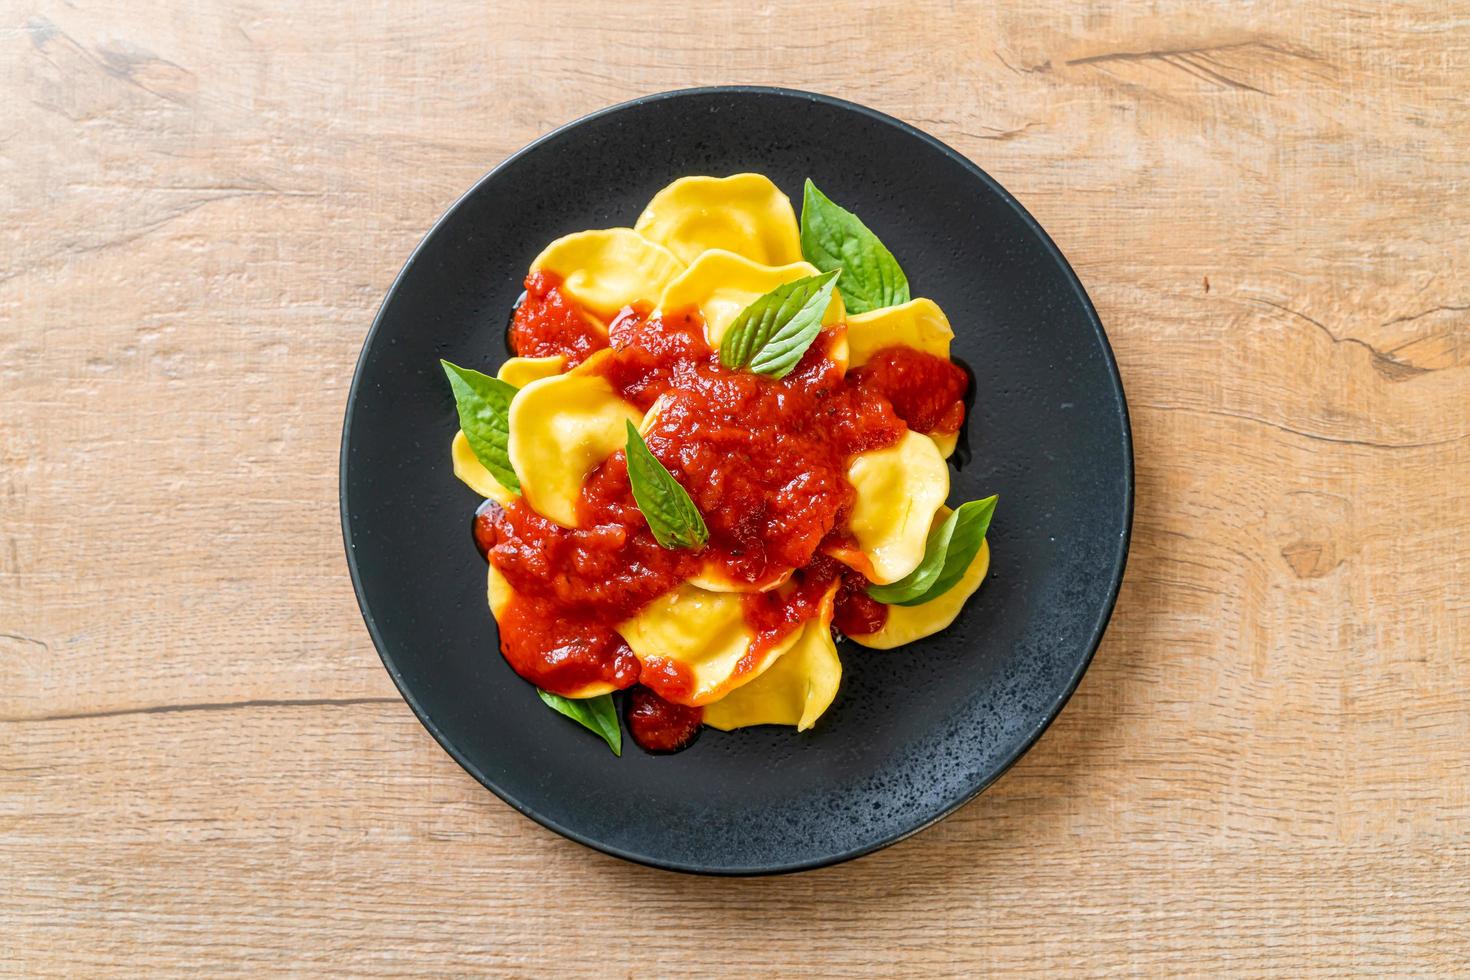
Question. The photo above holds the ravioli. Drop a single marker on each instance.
(796, 690)
(905, 624)
(899, 489)
(700, 638)
(711, 245)
(561, 428)
(472, 472)
(720, 284)
(745, 214)
(919, 324)
(521, 371)
(608, 269)
(712, 578)
(946, 441)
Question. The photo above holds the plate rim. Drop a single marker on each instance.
(1052, 711)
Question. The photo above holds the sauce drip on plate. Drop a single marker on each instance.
(658, 725)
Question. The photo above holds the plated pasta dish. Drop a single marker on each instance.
(722, 443)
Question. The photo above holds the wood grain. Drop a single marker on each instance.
(203, 767)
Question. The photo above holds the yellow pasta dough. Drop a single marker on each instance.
(905, 624)
(561, 428)
(796, 690)
(706, 635)
(744, 213)
(608, 269)
(919, 324)
(946, 442)
(712, 578)
(899, 489)
(521, 371)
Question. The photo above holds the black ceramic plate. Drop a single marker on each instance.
(914, 733)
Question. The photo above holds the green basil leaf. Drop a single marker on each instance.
(772, 333)
(917, 582)
(671, 515)
(597, 714)
(484, 415)
(947, 554)
(832, 237)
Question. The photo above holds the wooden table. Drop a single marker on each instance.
(203, 766)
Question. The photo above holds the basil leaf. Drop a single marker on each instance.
(947, 554)
(671, 515)
(917, 582)
(597, 714)
(484, 415)
(772, 333)
(832, 237)
(964, 545)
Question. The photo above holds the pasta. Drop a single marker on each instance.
(796, 690)
(790, 478)
(745, 214)
(561, 427)
(899, 489)
(606, 270)
(696, 646)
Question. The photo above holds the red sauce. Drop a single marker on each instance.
(765, 461)
(548, 323)
(669, 677)
(483, 527)
(857, 614)
(562, 651)
(661, 726)
(925, 391)
(773, 615)
(572, 585)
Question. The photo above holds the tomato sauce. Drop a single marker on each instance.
(572, 585)
(548, 323)
(772, 615)
(764, 460)
(482, 528)
(857, 614)
(925, 391)
(562, 650)
(658, 725)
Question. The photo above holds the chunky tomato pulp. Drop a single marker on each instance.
(925, 391)
(764, 460)
(548, 324)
